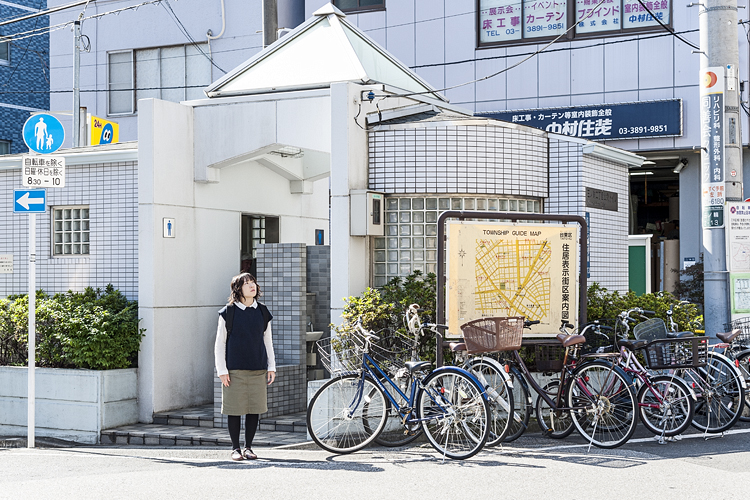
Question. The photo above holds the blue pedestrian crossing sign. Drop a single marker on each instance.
(29, 201)
(43, 133)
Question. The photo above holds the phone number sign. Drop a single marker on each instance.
(603, 121)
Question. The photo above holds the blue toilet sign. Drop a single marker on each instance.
(43, 133)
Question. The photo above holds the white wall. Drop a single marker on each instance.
(185, 280)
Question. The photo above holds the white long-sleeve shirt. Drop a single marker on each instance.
(220, 347)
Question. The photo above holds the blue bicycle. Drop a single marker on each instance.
(350, 410)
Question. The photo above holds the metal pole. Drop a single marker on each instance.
(719, 44)
(32, 330)
(77, 85)
(461, 215)
(270, 22)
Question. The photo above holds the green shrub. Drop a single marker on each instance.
(91, 329)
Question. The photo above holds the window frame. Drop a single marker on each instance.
(10, 146)
(52, 232)
(573, 35)
(132, 84)
(358, 10)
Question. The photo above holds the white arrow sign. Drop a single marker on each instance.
(26, 200)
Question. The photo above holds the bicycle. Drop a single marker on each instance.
(594, 397)
(666, 403)
(349, 411)
(718, 385)
(739, 351)
(487, 371)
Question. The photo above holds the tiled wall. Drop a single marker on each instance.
(455, 158)
(110, 191)
(570, 173)
(319, 283)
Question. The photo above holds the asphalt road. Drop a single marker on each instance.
(532, 467)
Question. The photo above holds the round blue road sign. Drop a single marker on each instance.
(43, 133)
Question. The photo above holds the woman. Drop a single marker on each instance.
(245, 362)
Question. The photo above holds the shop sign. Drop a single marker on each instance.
(603, 121)
(712, 143)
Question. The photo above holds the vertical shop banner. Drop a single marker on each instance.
(512, 270)
(712, 142)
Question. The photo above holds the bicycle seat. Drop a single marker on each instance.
(728, 337)
(569, 340)
(457, 346)
(414, 366)
(679, 335)
(633, 345)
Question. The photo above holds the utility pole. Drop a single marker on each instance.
(270, 22)
(721, 148)
(77, 84)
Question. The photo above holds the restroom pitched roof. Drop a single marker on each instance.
(323, 50)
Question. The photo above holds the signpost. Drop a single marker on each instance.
(44, 134)
(31, 201)
(712, 141)
(42, 171)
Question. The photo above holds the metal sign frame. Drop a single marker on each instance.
(514, 217)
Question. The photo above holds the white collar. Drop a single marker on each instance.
(243, 306)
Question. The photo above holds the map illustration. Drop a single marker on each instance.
(513, 277)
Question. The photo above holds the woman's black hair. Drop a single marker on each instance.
(236, 286)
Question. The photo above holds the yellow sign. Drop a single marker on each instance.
(512, 270)
(103, 131)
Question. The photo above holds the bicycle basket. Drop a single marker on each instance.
(342, 353)
(744, 325)
(665, 354)
(651, 329)
(493, 334)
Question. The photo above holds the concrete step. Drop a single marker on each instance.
(181, 435)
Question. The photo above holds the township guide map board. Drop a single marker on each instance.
(504, 269)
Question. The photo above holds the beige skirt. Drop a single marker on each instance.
(246, 393)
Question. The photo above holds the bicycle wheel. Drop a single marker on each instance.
(721, 398)
(334, 416)
(603, 406)
(455, 413)
(499, 395)
(743, 360)
(395, 433)
(666, 408)
(521, 406)
(554, 424)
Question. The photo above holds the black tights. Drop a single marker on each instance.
(251, 424)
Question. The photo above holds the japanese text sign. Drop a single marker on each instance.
(712, 142)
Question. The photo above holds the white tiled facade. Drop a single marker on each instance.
(109, 190)
(451, 157)
(571, 172)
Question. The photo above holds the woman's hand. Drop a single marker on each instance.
(224, 380)
(271, 377)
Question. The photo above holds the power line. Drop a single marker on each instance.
(44, 13)
(168, 7)
(68, 91)
(36, 21)
(658, 20)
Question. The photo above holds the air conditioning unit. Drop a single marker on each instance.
(366, 213)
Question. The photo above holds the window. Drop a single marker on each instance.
(4, 52)
(170, 73)
(359, 5)
(256, 229)
(504, 21)
(70, 231)
(410, 241)
(4, 147)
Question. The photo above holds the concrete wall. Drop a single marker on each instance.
(74, 405)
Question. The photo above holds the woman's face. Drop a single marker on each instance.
(249, 289)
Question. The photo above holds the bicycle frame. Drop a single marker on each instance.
(631, 365)
(370, 367)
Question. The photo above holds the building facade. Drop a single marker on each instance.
(24, 71)
(613, 56)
